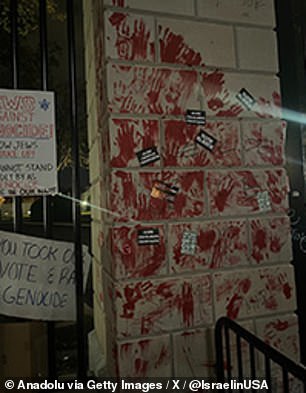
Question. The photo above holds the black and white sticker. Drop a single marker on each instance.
(246, 99)
(195, 117)
(264, 201)
(205, 140)
(189, 243)
(146, 156)
(148, 236)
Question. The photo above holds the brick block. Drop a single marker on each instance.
(220, 93)
(129, 37)
(182, 7)
(240, 192)
(149, 90)
(132, 195)
(220, 244)
(148, 357)
(131, 260)
(194, 43)
(129, 136)
(280, 333)
(270, 240)
(264, 142)
(257, 49)
(156, 306)
(258, 12)
(181, 150)
(255, 292)
(193, 353)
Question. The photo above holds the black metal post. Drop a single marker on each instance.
(17, 202)
(47, 213)
(82, 363)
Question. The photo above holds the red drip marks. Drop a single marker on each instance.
(141, 367)
(162, 357)
(117, 18)
(173, 49)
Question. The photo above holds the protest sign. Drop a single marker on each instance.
(27, 143)
(37, 277)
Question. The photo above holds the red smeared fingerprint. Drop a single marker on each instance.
(173, 49)
(259, 242)
(222, 197)
(232, 111)
(187, 304)
(125, 143)
(287, 290)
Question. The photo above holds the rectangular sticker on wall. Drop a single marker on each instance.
(148, 236)
(28, 164)
(195, 117)
(147, 156)
(205, 140)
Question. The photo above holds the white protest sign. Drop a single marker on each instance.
(28, 164)
(37, 277)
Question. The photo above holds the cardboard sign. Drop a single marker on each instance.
(162, 190)
(205, 140)
(264, 201)
(189, 243)
(195, 117)
(37, 277)
(28, 164)
(148, 236)
(147, 156)
(246, 99)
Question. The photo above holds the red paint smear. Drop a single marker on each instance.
(162, 357)
(207, 239)
(213, 82)
(234, 305)
(141, 367)
(279, 325)
(222, 197)
(287, 291)
(118, 3)
(173, 49)
(126, 139)
(187, 304)
(132, 296)
(232, 111)
(117, 18)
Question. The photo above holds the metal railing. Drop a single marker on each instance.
(240, 355)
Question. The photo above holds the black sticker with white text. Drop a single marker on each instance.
(205, 140)
(146, 156)
(246, 99)
(195, 117)
(148, 236)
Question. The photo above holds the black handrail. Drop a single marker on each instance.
(223, 326)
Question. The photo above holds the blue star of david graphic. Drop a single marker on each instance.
(44, 104)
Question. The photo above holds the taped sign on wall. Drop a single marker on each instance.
(27, 143)
(37, 277)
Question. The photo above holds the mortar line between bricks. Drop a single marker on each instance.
(198, 168)
(181, 117)
(204, 219)
(183, 67)
(208, 326)
(190, 274)
(236, 48)
(187, 17)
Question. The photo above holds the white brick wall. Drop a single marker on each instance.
(157, 59)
